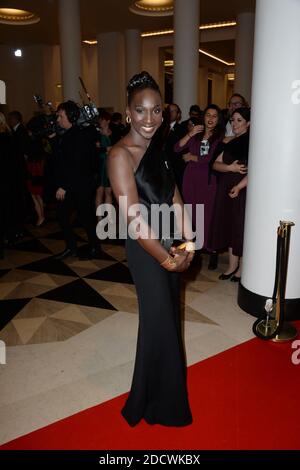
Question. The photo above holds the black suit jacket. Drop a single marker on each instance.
(75, 159)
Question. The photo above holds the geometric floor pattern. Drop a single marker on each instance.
(43, 300)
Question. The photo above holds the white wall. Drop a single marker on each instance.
(23, 77)
(38, 71)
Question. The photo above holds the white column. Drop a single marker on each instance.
(273, 192)
(244, 43)
(202, 87)
(186, 53)
(111, 71)
(133, 43)
(70, 47)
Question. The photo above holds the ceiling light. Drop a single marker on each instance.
(216, 58)
(18, 52)
(91, 42)
(152, 7)
(221, 24)
(157, 33)
(17, 17)
(170, 63)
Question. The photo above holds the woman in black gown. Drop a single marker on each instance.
(227, 228)
(138, 170)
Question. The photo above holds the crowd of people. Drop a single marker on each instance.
(67, 168)
(208, 153)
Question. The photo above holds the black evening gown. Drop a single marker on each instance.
(227, 227)
(158, 392)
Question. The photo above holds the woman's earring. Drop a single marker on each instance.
(128, 119)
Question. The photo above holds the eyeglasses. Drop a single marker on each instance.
(235, 103)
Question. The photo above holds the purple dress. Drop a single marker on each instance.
(199, 183)
(227, 228)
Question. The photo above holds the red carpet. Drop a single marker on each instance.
(244, 398)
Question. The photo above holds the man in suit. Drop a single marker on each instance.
(19, 132)
(22, 200)
(194, 112)
(75, 157)
(173, 116)
(236, 101)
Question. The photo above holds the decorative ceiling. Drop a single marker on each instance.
(13, 16)
(104, 15)
(152, 7)
(113, 15)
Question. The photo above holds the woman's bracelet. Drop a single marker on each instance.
(169, 262)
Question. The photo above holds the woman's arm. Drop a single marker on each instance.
(122, 181)
(183, 219)
(183, 143)
(183, 222)
(234, 167)
(234, 192)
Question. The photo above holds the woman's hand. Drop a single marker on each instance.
(196, 130)
(60, 194)
(179, 262)
(234, 192)
(237, 167)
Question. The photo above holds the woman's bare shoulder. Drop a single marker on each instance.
(120, 154)
(119, 150)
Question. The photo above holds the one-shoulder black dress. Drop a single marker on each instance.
(158, 392)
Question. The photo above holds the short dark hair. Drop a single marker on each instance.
(140, 81)
(17, 115)
(71, 109)
(103, 114)
(195, 109)
(245, 103)
(116, 117)
(244, 112)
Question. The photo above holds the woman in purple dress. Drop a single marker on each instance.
(199, 183)
(229, 212)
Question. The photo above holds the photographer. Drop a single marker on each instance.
(74, 154)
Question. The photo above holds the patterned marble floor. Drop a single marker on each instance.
(70, 327)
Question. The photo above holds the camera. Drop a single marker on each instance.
(48, 120)
(88, 113)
